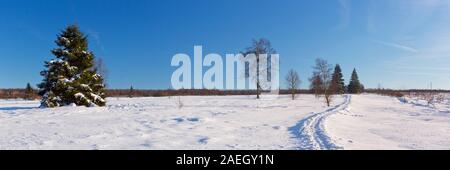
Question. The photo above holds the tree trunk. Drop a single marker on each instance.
(257, 90)
(327, 98)
(257, 77)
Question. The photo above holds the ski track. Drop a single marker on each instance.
(311, 131)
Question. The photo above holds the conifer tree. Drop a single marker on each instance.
(354, 87)
(338, 80)
(29, 92)
(131, 92)
(71, 77)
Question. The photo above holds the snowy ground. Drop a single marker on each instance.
(227, 122)
(380, 122)
(231, 122)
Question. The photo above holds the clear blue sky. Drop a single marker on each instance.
(398, 43)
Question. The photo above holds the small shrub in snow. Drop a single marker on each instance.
(431, 98)
(179, 103)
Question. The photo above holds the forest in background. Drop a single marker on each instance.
(21, 93)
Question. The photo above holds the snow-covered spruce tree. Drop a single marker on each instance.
(338, 80)
(71, 77)
(354, 87)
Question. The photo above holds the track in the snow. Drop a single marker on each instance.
(310, 132)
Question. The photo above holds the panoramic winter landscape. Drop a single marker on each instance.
(225, 75)
(363, 121)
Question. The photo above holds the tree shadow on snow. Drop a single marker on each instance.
(16, 108)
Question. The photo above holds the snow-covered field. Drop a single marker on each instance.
(227, 122)
(380, 122)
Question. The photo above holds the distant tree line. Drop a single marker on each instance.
(386, 92)
(132, 92)
(401, 93)
(28, 93)
(21, 93)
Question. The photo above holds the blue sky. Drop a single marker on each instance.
(395, 43)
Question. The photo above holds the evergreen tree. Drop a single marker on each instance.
(29, 92)
(131, 92)
(338, 80)
(354, 87)
(71, 77)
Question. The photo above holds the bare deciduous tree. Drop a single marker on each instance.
(293, 81)
(259, 47)
(321, 80)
